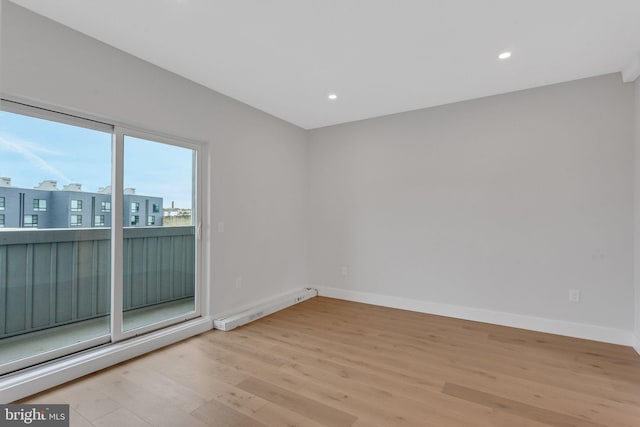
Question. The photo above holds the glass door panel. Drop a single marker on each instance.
(159, 236)
(55, 243)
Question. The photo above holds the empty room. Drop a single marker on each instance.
(320, 213)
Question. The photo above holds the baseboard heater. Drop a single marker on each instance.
(261, 310)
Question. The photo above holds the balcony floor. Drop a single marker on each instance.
(26, 345)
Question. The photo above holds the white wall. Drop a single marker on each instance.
(501, 203)
(258, 162)
(637, 215)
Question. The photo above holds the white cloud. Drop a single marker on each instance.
(28, 151)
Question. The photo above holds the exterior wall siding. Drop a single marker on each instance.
(58, 214)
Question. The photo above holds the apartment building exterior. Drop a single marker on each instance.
(47, 206)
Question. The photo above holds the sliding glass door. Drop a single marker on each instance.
(159, 233)
(54, 260)
(99, 235)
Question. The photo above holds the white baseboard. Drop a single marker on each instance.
(255, 303)
(635, 342)
(559, 327)
(262, 308)
(39, 378)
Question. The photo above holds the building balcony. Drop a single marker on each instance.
(55, 284)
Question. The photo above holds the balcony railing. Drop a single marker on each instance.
(59, 276)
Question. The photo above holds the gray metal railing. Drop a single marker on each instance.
(59, 276)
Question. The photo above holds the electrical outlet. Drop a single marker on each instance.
(574, 295)
(238, 282)
(345, 271)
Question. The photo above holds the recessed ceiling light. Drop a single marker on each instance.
(504, 55)
(333, 96)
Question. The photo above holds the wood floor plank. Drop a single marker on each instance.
(77, 420)
(181, 396)
(431, 361)
(385, 331)
(328, 362)
(276, 415)
(517, 408)
(312, 409)
(193, 367)
(444, 339)
(120, 417)
(216, 414)
(150, 406)
(89, 401)
(546, 396)
(320, 390)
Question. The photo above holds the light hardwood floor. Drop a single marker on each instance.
(327, 362)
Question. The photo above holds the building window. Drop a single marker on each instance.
(1, 203)
(1, 220)
(30, 221)
(156, 208)
(106, 206)
(76, 205)
(151, 220)
(39, 205)
(76, 221)
(135, 220)
(135, 207)
(99, 220)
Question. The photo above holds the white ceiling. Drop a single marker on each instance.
(380, 56)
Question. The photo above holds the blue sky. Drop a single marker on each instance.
(33, 150)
